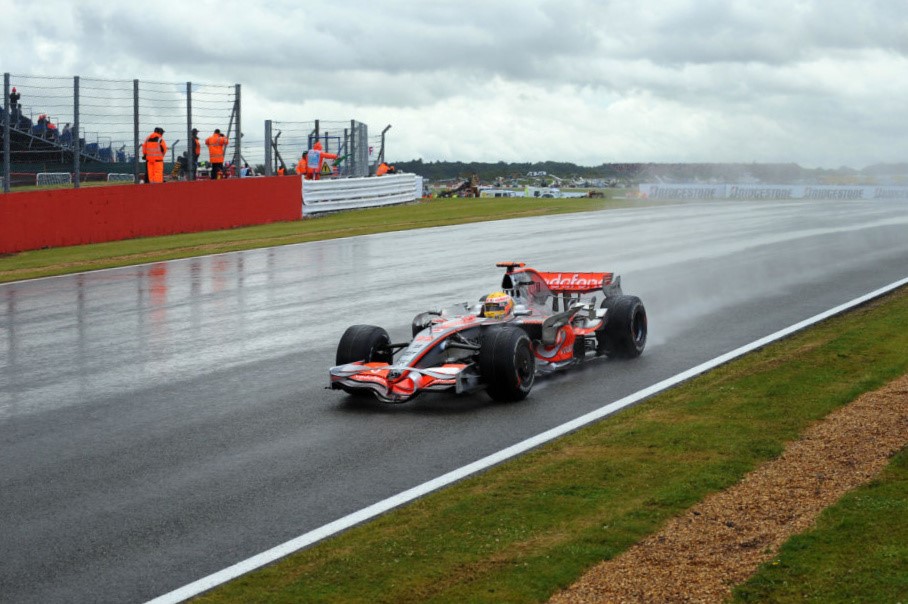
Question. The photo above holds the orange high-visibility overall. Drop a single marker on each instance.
(217, 144)
(154, 149)
(314, 160)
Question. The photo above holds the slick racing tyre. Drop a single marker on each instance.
(507, 364)
(366, 343)
(625, 329)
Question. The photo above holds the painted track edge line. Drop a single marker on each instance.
(211, 581)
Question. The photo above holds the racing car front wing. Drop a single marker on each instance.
(393, 384)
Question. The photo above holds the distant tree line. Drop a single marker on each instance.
(633, 173)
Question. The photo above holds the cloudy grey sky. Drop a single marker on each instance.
(818, 82)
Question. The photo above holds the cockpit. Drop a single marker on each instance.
(529, 291)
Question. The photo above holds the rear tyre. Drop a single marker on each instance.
(366, 343)
(507, 364)
(625, 330)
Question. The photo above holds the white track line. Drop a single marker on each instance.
(332, 528)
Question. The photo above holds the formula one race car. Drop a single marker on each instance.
(536, 324)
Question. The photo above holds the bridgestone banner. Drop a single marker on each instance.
(757, 192)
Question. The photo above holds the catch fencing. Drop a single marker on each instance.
(348, 140)
(63, 131)
(92, 127)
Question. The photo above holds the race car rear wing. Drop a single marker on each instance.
(564, 284)
(579, 283)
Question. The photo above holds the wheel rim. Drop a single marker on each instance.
(639, 327)
(525, 369)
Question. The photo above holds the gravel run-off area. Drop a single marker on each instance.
(719, 543)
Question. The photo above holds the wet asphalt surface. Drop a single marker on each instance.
(162, 422)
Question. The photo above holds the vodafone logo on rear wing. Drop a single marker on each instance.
(576, 282)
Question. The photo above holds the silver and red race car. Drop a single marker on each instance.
(539, 322)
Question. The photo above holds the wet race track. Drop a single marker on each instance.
(162, 422)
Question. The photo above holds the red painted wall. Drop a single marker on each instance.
(62, 217)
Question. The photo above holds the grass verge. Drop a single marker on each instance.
(429, 213)
(531, 526)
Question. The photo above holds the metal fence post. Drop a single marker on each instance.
(351, 150)
(6, 133)
(268, 169)
(135, 125)
(190, 144)
(237, 162)
(77, 149)
(381, 154)
(364, 150)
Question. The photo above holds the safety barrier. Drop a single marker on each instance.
(62, 217)
(53, 178)
(351, 193)
(55, 218)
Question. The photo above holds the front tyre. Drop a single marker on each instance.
(365, 343)
(507, 364)
(625, 330)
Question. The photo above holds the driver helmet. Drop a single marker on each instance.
(497, 305)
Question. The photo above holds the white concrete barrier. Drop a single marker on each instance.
(352, 193)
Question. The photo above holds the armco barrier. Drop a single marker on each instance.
(350, 193)
(40, 219)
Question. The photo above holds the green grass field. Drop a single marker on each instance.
(528, 527)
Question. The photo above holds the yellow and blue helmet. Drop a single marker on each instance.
(497, 305)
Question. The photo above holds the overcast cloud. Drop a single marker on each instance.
(818, 82)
